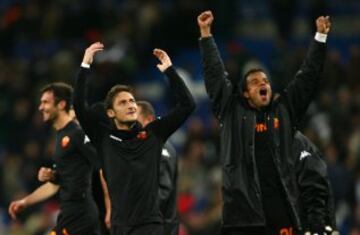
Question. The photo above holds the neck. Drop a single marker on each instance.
(124, 125)
(61, 121)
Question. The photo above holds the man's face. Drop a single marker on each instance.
(143, 119)
(47, 107)
(124, 108)
(258, 92)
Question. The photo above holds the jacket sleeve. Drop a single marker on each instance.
(87, 150)
(185, 105)
(313, 184)
(167, 177)
(302, 89)
(88, 118)
(217, 83)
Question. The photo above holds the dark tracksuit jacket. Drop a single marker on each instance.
(167, 190)
(131, 158)
(317, 202)
(242, 196)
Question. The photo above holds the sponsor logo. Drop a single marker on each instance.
(304, 154)
(115, 138)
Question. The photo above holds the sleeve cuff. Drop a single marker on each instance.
(85, 65)
(170, 71)
(320, 37)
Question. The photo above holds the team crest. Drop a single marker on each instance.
(276, 123)
(65, 141)
(142, 135)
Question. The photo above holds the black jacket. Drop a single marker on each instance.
(131, 158)
(242, 204)
(167, 188)
(317, 202)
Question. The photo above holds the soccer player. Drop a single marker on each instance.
(168, 174)
(74, 161)
(257, 130)
(131, 154)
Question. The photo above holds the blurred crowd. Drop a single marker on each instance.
(43, 41)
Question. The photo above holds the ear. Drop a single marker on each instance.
(150, 118)
(110, 113)
(61, 105)
(246, 94)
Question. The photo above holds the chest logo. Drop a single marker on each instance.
(142, 135)
(276, 123)
(304, 154)
(261, 127)
(65, 141)
(165, 153)
(86, 139)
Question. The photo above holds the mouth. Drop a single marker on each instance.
(263, 92)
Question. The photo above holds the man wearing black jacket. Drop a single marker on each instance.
(257, 128)
(168, 174)
(314, 184)
(131, 154)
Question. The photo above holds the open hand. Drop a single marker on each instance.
(91, 51)
(165, 61)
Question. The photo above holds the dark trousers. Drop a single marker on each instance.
(258, 231)
(145, 229)
(171, 228)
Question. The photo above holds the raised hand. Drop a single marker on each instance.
(205, 20)
(164, 59)
(45, 174)
(91, 51)
(16, 207)
(323, 24)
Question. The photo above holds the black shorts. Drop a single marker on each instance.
(171, 228)
(78, 220)
(145, 229)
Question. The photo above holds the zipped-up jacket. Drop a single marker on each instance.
(242, 205)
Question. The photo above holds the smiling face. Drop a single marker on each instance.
(48, 107)
(258, 90)
(124, 108)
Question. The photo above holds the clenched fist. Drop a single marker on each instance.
(205, 20)
(323, 24)
(46, 174)
(16, 207)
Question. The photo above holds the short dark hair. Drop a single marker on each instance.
(109, 100)
(146, 108)
(247, 74)
(61, 91)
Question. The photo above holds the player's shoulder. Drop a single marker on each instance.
(75, 130)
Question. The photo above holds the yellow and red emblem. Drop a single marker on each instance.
(65, 141)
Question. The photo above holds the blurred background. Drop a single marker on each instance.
(43, 41)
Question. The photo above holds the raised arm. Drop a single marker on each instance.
(302, 89)
(185, 104)
(42, 193)
(217, 83)
(87, 117)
